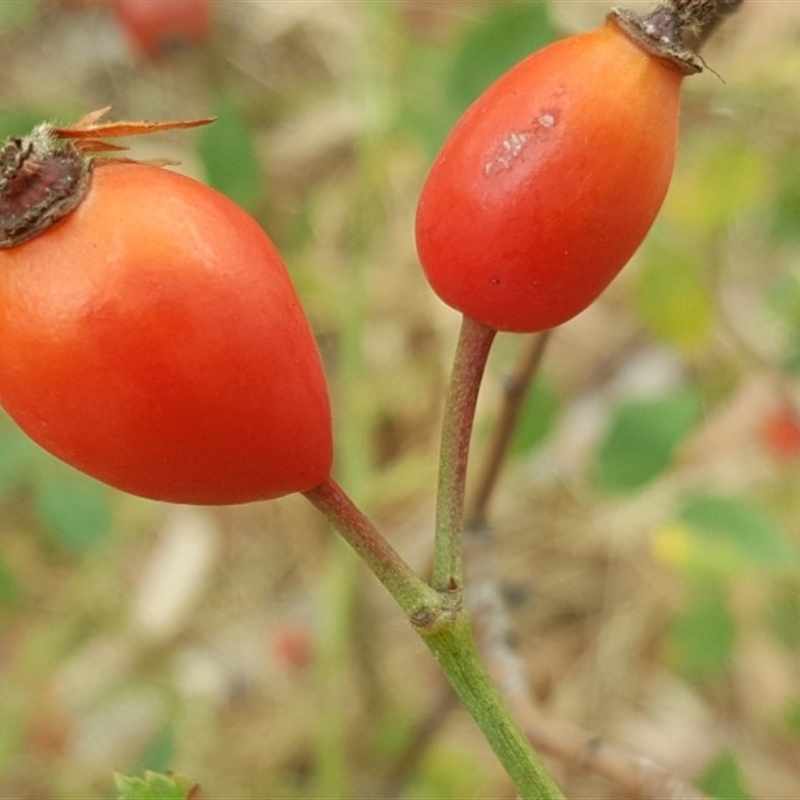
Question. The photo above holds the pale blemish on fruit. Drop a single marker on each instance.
(508, 152)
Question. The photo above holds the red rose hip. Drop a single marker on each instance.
(550, 180)
(153, 339)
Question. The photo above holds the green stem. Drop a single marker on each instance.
(444, 626)
(436, 612)
(472, 350)
(453, 645)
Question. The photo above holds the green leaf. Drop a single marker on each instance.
(18, 456)
(446, 773)
(19, 121)
(155, 786)
(641, 440)
(723, 780)
(732, 534)
(9, 587)
(791, 717)
(423, 109)
(159, 752)
(672, 298)
(783, 297)
(229, 155)
(701, 639)
(76, 508)
(15, 15)
(538, 416)
(786, 202)
(791, 358)
(783, 614)
(499, 39)
(727, 179)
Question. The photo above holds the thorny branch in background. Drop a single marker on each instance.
(515, 391)
(637, 776)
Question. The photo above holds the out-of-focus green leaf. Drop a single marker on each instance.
(723, 780)
(727, 178)
(642, 438)
(701, 639)
(229, 155)
(159, 752)
(14, 13)
(538, 416)
(446, 773)
(423, 110)
(155, 786)
(9, 587)
(791, 358)
(392, 735)
(786, 198)
(783, 297)
(499, 39)
(18, 455)
(671, 297)
(439, 84)
(76, 508)
(791, 717)
(783, 618)
(731, 534)
(18, 121)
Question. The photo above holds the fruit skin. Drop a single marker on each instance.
(153, 339)
(152, 25)
(549, 181)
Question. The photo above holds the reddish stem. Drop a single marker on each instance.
(421, 603)
(472, 350)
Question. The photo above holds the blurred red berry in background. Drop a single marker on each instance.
(780, 433)
(153, 26)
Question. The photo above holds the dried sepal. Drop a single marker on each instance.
(88, 132)
(98, 146)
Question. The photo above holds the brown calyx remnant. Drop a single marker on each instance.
(41, 180)
(47, 173)
(675, 29)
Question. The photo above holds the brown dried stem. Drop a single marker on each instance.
(515, 392)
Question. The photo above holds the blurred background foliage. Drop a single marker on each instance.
(646, 530)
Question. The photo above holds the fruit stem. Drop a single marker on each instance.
(453, 644)
(418, 600)
(444, 626)
(472, 350)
